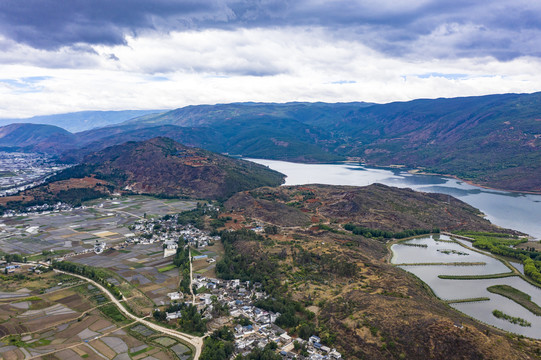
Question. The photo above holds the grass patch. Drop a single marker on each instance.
(513, 320)
(137, 265)
(142, 351)
(39, 305)
(517, 296)
(31, 298)
(48, 254)
(480, 263)
(112, 312)
(165, 341)
(166, 268)
(467, 300)
(41, 342)
(196, 252)
(476, 277)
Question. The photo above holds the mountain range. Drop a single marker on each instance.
(491, 140)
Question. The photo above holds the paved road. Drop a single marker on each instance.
(195, 341)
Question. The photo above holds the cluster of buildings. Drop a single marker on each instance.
(39, 209)
(239, 297)
(99, 247)
(197, 238)
(169, 232)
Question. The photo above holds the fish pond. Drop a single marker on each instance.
(433, 257)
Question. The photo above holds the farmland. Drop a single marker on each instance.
(67, 318)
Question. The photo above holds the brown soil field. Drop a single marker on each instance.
(86, 182)
(102, 348)
(6, 199)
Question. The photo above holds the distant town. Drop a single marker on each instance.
(21, 171)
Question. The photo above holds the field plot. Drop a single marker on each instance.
(174, 347)
(139, 265)
(24, 284)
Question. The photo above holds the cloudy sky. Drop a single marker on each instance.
(60, 56)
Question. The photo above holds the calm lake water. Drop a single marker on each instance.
(510, 210)
(446, 289)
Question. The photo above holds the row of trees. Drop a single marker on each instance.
(531, 269)
(385, 234)
(182, 261)
(9, 258)
(96, 274)
(505, 246)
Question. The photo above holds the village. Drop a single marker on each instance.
(259, 328)
(238, 297)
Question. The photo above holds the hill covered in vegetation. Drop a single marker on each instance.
(376, 206)
(162, 166)
(492, 140)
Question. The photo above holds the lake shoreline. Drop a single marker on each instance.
(413, 171)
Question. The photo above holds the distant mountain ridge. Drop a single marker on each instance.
(492, 140)
(36, 138)
(83, 120)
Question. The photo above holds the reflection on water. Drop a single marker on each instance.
(511, 210)
(448, 289)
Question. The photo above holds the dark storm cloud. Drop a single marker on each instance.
(434, 28)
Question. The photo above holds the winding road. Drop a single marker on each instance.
(195, 341)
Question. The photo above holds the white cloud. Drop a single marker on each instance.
(219, 66)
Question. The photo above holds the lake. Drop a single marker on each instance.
(437, 251)
(506, 209)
